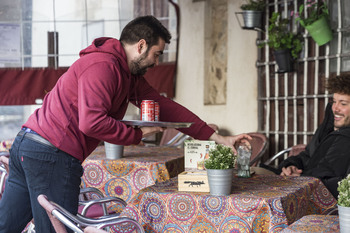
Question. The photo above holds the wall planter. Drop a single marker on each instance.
(284, 60)
(320, 31)
(285, 44)
(316, 21)
(251, 19)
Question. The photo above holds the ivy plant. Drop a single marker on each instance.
(280, 37)
(254, 5)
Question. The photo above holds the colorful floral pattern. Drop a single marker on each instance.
(269, 206)
(315, 223)
(139, 168)
(6, 145)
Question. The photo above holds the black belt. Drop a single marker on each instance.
(36, 137)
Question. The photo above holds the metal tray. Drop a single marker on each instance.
(157, 124)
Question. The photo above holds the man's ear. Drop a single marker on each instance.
(141, 46)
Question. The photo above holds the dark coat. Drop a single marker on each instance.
(327, 156)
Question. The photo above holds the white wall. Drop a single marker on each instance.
(240, 112)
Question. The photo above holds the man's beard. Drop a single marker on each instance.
(137, 69)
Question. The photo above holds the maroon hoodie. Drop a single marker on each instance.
(88, 101)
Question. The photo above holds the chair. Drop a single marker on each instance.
(172, 137)
(60, 218)
(4, 169)
(290, 151)
(175, 138)
(92, 203)
(259, 146)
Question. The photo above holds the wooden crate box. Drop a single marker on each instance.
(196, 181)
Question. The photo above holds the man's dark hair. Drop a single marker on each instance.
(145, 27)
(339, 84)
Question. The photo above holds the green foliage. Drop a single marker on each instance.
(344, 192)
(221, 157)
(254, 5)
(280, 37)
(315, 11)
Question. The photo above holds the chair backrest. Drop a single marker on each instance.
(170, 136)
(57, 219)
(60, 218)
(259, 146)
(173, 137)
(4, 169)
(296, 149)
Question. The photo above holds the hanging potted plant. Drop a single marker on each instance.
(286, 44)
(219, 168)
(252, 14)
(344, 204)
(314, 17)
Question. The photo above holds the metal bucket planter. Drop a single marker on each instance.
(251, 19)
(344, 218)
(320, 31)
(220, 181)
(284, 61)
(113, 151)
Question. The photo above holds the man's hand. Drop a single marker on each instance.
(149, 131)
(230, 140)
(291, 171)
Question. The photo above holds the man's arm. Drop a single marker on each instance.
(230, 141)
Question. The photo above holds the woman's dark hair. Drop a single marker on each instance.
(339, 84)
(145, 27)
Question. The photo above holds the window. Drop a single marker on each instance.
(50, 33)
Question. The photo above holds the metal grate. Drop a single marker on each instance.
(291, 105)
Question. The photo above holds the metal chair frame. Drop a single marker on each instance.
(60, 217)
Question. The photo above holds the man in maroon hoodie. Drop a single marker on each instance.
(84, 108)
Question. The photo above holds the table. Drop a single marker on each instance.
(140, 167)
(262, 203)
(315, 223)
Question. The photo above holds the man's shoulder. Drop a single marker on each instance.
(345, 131)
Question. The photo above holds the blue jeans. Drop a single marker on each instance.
(38, 169)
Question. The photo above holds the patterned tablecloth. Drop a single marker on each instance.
(316, 224)
(6, 144)
(262, 203)
(140, 167)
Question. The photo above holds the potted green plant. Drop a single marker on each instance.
(314, 17)
(344, 204)
(285, 43)
(219, 168)
(252, 13)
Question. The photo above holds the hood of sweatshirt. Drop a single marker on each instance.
(111, 46)
(114, 47)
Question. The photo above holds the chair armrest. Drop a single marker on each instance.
(4, 160)
(90, 193)
(73, 221)
(276, 156)
(90, 203)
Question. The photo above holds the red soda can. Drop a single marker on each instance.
(147, 110)
(156, 111)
